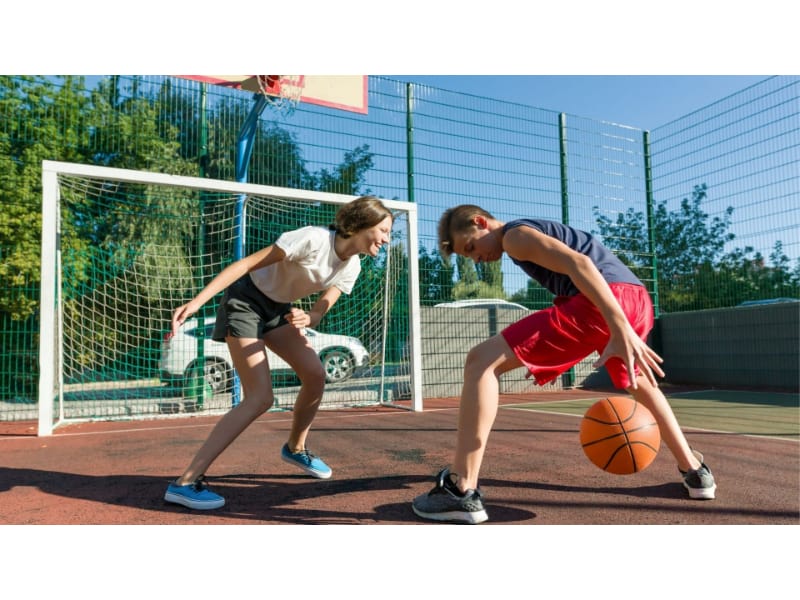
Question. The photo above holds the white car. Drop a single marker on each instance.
(480, 303)
(341, 356)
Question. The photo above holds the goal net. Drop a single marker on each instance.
(121, 249)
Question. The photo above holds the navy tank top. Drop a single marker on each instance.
(611, 268)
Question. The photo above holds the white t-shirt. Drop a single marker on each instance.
(310, 266)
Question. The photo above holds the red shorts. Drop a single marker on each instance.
(550, 341)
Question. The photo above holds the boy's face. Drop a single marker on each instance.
(478, 243)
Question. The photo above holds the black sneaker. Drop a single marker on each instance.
(446, 503)
(699, 482)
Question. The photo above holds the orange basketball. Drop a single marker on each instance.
(619, 435)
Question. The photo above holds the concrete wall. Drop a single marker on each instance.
(750, 346)
(449, 333)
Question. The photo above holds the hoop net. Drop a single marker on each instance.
(283, 91)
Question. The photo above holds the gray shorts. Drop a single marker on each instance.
(245, 312)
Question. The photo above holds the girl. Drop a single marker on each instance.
(256, 311)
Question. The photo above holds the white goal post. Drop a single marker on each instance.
(121, 249)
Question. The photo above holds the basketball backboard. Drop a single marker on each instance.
(343, 92)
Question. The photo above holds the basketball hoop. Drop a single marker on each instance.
(339, 92)
(283, 91)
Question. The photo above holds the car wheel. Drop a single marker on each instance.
(338, 365)
(216, 373)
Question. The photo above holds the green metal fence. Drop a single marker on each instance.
(730, 173)
(704, 208)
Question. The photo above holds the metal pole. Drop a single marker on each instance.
(651, 230)
(244, 150)
(195, 388)
(562, 143)
(568, 379)
(410, 140)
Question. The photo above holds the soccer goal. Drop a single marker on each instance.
(121, 249)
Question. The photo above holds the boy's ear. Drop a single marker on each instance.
(480, 221)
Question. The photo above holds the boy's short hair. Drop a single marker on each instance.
(457, 219)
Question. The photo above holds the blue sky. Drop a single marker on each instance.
(643, 101)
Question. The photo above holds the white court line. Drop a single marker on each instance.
(192, 426)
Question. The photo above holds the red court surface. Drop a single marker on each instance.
(534, 472)
(114, 474)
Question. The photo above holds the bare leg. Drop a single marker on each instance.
(654, 400)
(478, 408)
(251, 364)
(293, 347)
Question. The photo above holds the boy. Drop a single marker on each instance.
(599, 305)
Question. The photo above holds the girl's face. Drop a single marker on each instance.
(370, 240)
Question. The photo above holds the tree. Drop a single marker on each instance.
(47, 125)
(534, 296)
(435, 278)
(484, 280)
(47, 122)
(348, 176)
(694, 272)
(140, 126)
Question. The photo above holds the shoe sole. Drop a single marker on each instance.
(183, 501)
(310, 471)
(701, 493)
(471, 518)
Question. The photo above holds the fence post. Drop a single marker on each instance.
(568, 379)
(651, 231)
(410, 140)
(562, 141)
(194, 386)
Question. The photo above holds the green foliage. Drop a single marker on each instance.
(694, 271)
(123, 238)
(347, 177)
(534, 296)
(435, 278)
(484, 280)
(47, 125)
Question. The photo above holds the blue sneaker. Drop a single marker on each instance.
(194, 495)
(310, 463)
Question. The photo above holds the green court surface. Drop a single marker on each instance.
(771, 414)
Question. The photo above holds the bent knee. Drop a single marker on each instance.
(312, 377)
(493, 356)
(257, 402)
(478, 362)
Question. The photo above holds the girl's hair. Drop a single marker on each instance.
(457, 220)
(362, 213)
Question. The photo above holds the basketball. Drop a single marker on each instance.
(619, 435)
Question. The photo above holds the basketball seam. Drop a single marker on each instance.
(627, 439)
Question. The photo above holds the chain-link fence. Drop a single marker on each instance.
(705, 208)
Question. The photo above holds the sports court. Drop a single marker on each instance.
(109, 466)
(534, 472)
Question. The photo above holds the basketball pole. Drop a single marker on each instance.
(244, 150)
